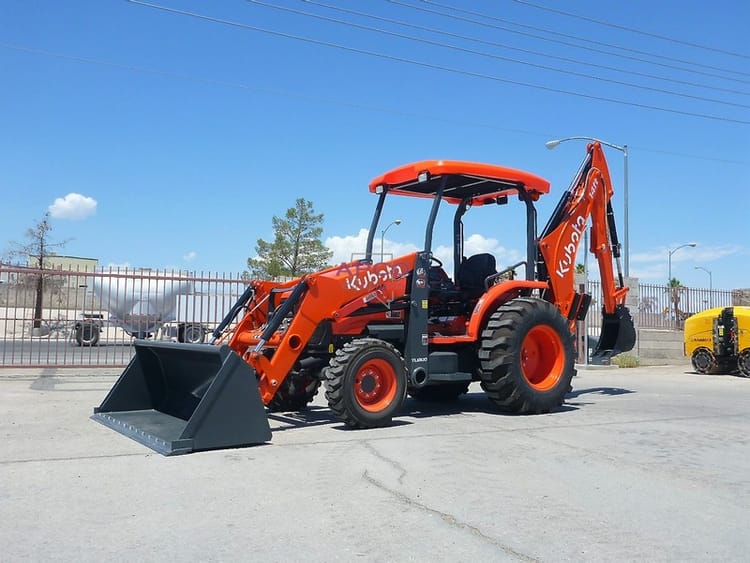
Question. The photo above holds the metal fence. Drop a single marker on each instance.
(661, 307)
(82, 318)
(54, 318)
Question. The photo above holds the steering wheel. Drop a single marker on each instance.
(436, 260)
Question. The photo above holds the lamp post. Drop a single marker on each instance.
(382, 237)
(669, 275)
(710, 285)
(624, 150)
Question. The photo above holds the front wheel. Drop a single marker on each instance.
(527, 356)
(703, 361)
(366, 383)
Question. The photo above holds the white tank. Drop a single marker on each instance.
(140, 304)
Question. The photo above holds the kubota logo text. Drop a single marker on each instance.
(564, 263)
(365, 277)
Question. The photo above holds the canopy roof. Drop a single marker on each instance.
(483, 183)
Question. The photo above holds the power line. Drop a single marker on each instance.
(529, 51)
(431, 65)
(632, 30)
(567, 44)
(493, 56)
(490, 55)
(318, 100)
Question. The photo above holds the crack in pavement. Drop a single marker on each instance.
(448, 519)
(71, 458)
(393, 463)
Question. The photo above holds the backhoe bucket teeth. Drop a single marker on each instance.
(617, 335)
(179, 398)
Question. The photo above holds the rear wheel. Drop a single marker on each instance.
(527, 356)
(295, 393)
(743, 363)
(366, 383)
(440, 393)
(87, 334)
(703, 361)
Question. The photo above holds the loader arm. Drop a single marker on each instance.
(589, 198)
(329, 295)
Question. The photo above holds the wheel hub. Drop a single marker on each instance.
(368, 384)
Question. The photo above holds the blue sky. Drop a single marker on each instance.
(158, 139)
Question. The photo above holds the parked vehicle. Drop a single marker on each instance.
(143, 307)
(718, 340)
(373, 332)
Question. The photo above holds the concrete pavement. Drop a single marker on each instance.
(641, 464)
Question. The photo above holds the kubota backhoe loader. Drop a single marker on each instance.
(373, 332)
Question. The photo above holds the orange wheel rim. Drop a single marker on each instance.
(375, 385)
(542, 357)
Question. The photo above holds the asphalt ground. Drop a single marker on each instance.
(643, 464)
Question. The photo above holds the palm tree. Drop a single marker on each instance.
(675, 287)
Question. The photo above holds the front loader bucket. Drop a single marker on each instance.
(617, 335)
(179, 398)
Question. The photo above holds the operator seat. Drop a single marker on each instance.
(473, 271)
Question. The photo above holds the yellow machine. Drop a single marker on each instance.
(718, 340)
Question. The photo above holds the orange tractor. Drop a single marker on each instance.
(373, 332)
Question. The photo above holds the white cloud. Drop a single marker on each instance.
(346, 247)
(654, 265)
(190, 256)
(73, 206)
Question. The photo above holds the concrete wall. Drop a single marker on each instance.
(660, 347)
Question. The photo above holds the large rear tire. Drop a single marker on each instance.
(296, 392)
(366, 383)
(527, 356)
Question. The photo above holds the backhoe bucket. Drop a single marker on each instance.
(617, 335)
(179, 398)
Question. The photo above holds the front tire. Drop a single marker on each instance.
(703, 361)
(527, 356)
(366, 383)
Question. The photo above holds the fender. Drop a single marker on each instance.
(493, 298)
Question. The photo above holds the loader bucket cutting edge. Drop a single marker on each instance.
(617, 335)
(178, 398)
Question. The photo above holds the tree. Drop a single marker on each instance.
(580, 268)
(37, 251)
(675, 288)
(296, 248)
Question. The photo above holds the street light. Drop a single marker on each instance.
(710, 285)
(382, 237)
(690, 244)
(624, 150)
(669, 277)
